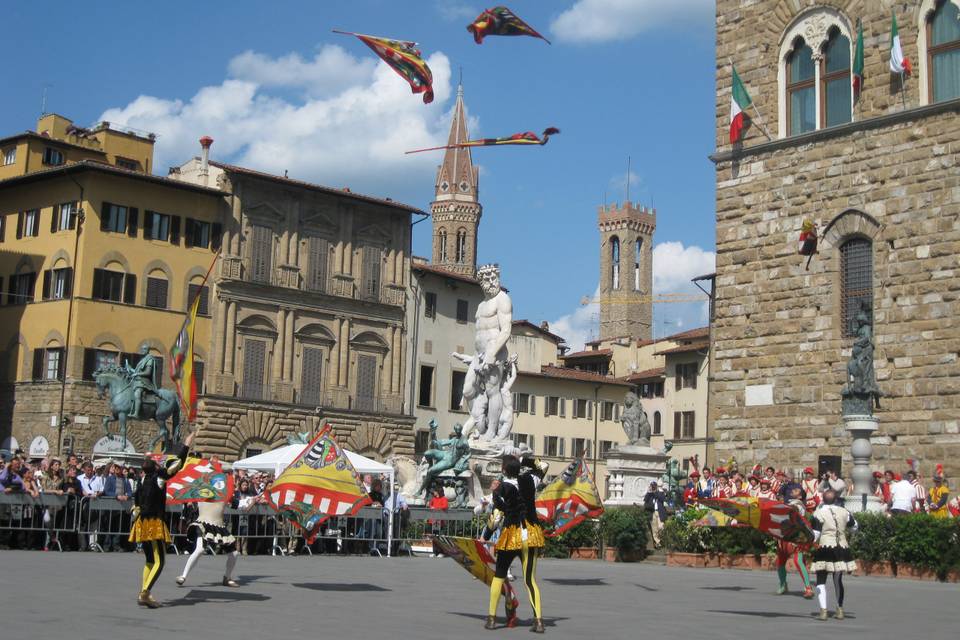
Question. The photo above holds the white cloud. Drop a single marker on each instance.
(674, 266)
(350, 128)
(607, 20)
(455, 11)
(581, 325)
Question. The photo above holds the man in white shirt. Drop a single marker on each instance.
(92, 486)
(902, 495)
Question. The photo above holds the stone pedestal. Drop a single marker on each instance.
(861, 427)
(630, 470)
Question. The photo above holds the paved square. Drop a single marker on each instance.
(92, 596)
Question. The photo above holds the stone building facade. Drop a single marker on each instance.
(879, 176)
(626, 270)
(308, 316)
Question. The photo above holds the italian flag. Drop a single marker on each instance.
(739, 102)
(858, 63)
(898, 62)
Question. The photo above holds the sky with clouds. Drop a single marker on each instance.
(278, 91)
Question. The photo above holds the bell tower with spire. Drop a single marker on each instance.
(456, 205)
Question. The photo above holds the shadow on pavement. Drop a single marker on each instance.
(522, 622)
(200, 596)
(762, 614)
(737, 588)
(645, 588)
(339, 586)
(577, 582)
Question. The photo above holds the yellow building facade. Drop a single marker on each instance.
(96, 262)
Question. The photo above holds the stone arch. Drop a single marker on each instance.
(255, 425)
(926, 8)
(813, 25)
(316, 332)
(849, 223)
(53, 336)
(152, 266)
(107, 336)
(114, 256)
(61, 254)
(369, 340)
(26, 264)
(257, 324)
(153, 344)
(370, 440)
(193, 272)
(8, 359)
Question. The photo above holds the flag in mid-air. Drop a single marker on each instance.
(404, 58)
(739, 102)
(500, 21)
(181, 354)
(200, 481)
(526, 138)
(899, 63)
(570, 499)
(318, 484)
(772, 517)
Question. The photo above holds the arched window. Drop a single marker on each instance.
(943, 52)
(856, 285)
(638, 247)
(801, 89)
(656, 423)
(835, 82)
(442, 245)
(461, 246)
(615, 261)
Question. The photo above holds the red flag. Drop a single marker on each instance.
(404, 58)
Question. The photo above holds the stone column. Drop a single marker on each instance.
(220, 336)
(333, 380)
(395, 348)
(290, 352)
(386, 379)
(278, 349)
(344, 352)
(229, 348)
(861, 428)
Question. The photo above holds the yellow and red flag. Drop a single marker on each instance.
(318, 484)
(570, 499)
(775, 518)
(500, 21)
(525, 138)
(200, 481)
(181, 354)
(473, 556)
(404, 58)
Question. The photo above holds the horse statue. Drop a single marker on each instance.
(163, 405)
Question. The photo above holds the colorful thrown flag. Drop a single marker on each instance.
(181, 354)
(318, 484)
(526, 138)
(473, 556)
(808, 240)
(404, 58)
(500, 21)
(858, 63)
(714, 518)
(570, 499)
(899, 63)
(740, 101)
(200, 481)
(777, 519)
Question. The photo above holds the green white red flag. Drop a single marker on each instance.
(858, 63)
(899, 63)
(739, 102)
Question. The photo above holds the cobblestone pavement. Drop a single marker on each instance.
(92, 596)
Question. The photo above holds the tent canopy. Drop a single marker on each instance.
(278, 459)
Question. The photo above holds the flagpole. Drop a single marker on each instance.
(903, 90)
(763, 125)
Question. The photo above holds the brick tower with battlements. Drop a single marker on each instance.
(626, 270)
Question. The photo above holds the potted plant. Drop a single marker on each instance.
(582, 540)
(625, 531)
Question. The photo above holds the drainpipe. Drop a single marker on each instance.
(596, 411)
(61, 418)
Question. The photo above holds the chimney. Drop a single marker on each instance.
(205, 143)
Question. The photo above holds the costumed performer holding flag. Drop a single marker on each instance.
(209, 484)
(787, 550)
(149, 509)
(521, 534)
(830, 525)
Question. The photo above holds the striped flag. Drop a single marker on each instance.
(181, 355)
(570, 499)
(899, 63)
(739, 102)
(318, 484)
(858, 63)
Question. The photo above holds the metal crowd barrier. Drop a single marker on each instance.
(21, 513)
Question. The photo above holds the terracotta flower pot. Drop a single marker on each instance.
(584, 553)
(915, 573)
(610, 554)
(876, 568)
(681, 559)
(744, 561)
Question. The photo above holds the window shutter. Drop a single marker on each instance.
(74, 211)
(694, 370)
(147, 224)
(46, 284)
(31, 287)
(89, 363)
(105, 216)
(198, 369)
(546, 405)
(12, 290)
(36, 223)
(371, 273)
(97, 284)
(319, 257)
(676, 425)
(589, 410)
(130, 288)
(175, 230)
(678, 378)
(546, 443)
(188, 232)
(576, 409)
(38, 364)
(62, 364)
(533, 405)
(55, 218)
(312, 359)
(132, 213)
(560, 446)
(215, 236)
(68, 282)
(261, 253)
(3, 228)
(19, 225)
(1, 290)
(254, 359)
(616, 412)
(563, 407)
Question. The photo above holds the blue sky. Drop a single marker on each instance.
(277, 90)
